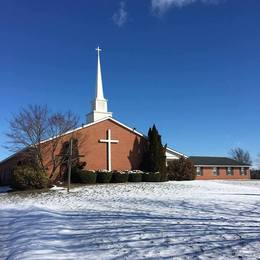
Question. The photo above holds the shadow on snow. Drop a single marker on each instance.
(188, 230)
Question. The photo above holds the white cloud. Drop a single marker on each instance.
(161, 6)
(120, 16)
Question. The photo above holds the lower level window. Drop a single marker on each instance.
(229, 171)
(199, 171)
(215, 171)
(242, 171)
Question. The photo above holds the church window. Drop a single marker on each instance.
(229, 171)
(215, 171)
(199, 171)
(242, 171)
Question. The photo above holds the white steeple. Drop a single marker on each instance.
(99, 105)
(99, 86)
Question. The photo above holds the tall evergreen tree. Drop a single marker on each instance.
(154, 159)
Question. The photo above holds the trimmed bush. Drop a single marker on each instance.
(255, 174)
(87, 176)
(104, 177)
(118, 177)
(26, 178)
(181, 170)
(135, 177)
(151, 177)
(75, 175)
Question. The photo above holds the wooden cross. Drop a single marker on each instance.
(70, 160)
(109, 141)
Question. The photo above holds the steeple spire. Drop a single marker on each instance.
(99, 86)
(99, 105)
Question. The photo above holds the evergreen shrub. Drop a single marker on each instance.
(154, 159)
(255, 174)
(27, 177)
(135, 177)
(75, 175)
(87, 176)
(151, 177)
(181, 170)
(104, 176)
(118, 177)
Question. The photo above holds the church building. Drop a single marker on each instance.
(106, 143)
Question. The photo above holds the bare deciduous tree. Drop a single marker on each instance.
(34, 124)
(58, 125)
(241, 155)
(257, 162)
(26, 131)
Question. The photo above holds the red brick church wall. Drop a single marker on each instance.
(126, 154)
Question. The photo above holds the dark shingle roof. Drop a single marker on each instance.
(207, 160)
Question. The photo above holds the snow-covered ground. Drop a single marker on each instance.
(181, 220)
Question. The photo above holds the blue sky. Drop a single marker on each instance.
(190, 67)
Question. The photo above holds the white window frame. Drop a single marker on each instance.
(199, 171)
(230, 171)
(215, 171)
(243, 171)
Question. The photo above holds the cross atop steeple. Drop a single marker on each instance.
(98, 49)
(99, 105)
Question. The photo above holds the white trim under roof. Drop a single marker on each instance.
(96, 122)
(169, 150)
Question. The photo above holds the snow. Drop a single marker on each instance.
(57, 188)
(182, 220)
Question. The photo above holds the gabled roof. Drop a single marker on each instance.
(93, 123)
(96, 122)
(215, 161)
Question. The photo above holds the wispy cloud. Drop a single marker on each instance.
(120, 16)
(161, 6)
